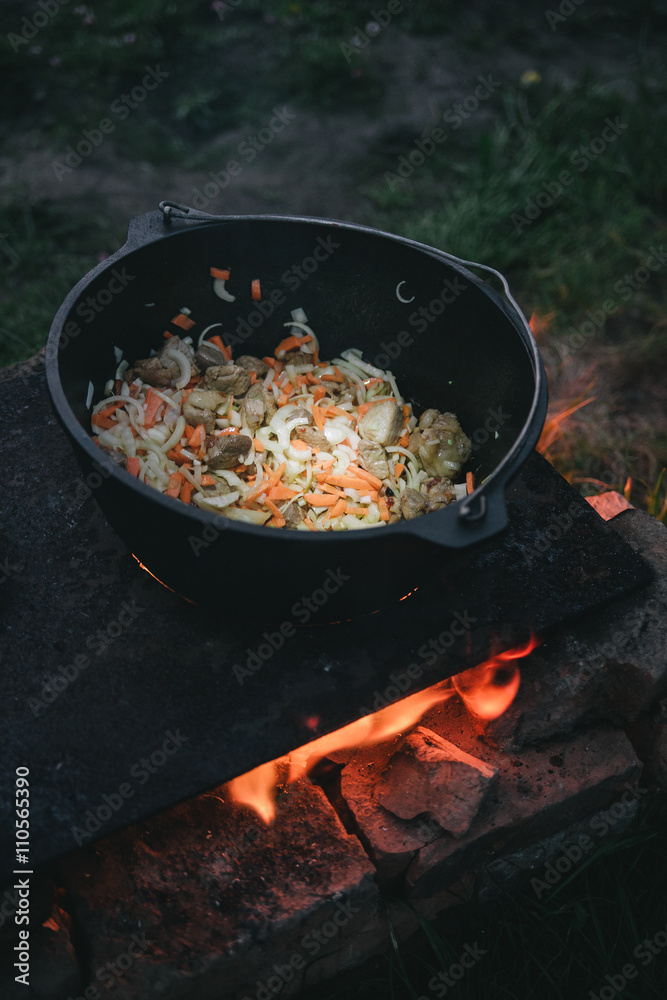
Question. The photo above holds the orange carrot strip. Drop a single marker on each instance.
(357, 511)
(280, 520)
(259, 447)
(313, 379)
(348, 482)
(340, 413)
(185, 323)
(320, 499)
(319, 393)
(193, 382)
(404, 440)
(338, 509)
(280, 493)
(97, 420)
(174, 485)
(197, 437)
(325, 465)
(399, 469)
(151, 407)
(186, 492)
(218, 341)
(299, 445)
(288, 344)
(167, 335)
(309, 524)
(470, 482)
(332, 378)
(319, 417)
(271, 362)
(368, 476)
(108, 410)
(133, 465)
(253, 378)
(335, 492)
(384, 510)
(215, 272)
(227, 430)
(256, 290)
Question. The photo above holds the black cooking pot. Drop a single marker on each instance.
(450, 340)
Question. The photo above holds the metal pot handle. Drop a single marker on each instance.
(172, 210)
(478, 517)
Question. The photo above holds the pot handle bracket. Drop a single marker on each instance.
(479, 517)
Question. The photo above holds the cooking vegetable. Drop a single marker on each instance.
(285, 441)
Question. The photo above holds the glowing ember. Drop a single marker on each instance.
(487, 690)
(146, 569)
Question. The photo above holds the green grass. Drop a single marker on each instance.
(584, 234)
(44, 251)
(559, 947)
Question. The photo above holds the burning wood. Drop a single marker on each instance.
(430, 775)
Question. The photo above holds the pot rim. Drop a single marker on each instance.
(467, 512)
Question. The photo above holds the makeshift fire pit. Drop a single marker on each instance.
(126, 701)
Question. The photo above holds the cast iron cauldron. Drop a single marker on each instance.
(455, 345)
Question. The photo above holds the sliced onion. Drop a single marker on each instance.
(184, 366)
(176, 435)
(221, 291)
(215, 502)
(258, 517)
(204, 332)
(89, 395)
(334, 435)
(369, 369)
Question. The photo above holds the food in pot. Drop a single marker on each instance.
(288, 441)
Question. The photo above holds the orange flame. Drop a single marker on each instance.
(553, 429)
(540, 324)
(487, 690)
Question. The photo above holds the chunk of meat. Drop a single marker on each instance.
(195, 415)
(252, 364)
(177, 344)
(438, 492)
(252, 412)
(201, 406)
(224, 451)
(292, 514)
(160, 371)
(227, 378)
(302, 415)
(297, 358)
(413, 503)
(312, 437)
(442, 445)
(207, 399)
(373, 459)
(382, 423)
(209, 356)
(258, 406)
(153, 372)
